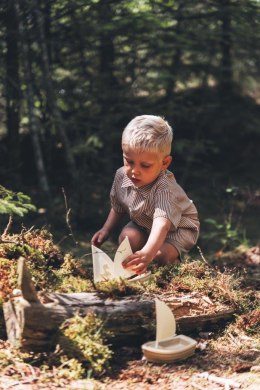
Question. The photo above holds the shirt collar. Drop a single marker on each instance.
(145, 190)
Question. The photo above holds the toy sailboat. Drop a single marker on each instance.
(168, 346)
(105, 269)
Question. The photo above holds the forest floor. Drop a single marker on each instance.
(226, 356)
(232, 360)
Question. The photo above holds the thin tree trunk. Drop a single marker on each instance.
(226, 76)
(33, 124)
(79, 41)
(108, 84)
(12, 93)
(176, 59)
(51, 99)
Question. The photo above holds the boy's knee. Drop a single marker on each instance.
(127, 232)
(136, 238)
(122, 236)
(168, 255)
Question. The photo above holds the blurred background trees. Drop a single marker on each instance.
(73, 73)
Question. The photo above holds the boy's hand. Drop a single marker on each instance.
(138, 262)
(99, 237)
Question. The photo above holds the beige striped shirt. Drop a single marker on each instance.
(162, 198)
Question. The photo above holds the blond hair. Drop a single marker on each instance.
(148, 132)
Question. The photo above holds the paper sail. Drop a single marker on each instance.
(105, 269)
(165, 321)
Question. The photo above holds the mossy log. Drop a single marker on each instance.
(32, 320)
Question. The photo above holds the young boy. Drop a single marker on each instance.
(163, 220)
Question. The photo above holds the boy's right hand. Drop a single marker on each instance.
(99, 237)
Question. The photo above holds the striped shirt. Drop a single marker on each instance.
(162, 198)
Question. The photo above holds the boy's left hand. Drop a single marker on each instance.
(137, 262)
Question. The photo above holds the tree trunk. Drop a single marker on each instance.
(12, 93)
(32, 320)
(33, 125)
(176, 58)
(51, 99)
(108, 86)
(226, 75)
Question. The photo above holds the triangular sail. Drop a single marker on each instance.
(105, 269)
(103, 266)
(165, 321)
(124, 250)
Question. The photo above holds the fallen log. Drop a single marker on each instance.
(33, 325)
(32, 321)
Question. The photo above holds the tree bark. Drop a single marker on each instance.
(226, 71)
(51, 99)
(33, 125)
(176, 61)
(12, 93)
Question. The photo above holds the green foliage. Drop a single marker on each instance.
(84, 339)
(228, 234)
(14, 203)
(227, 231)
(103, 74)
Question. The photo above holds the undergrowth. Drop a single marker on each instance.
(82, 350)
(85, 340)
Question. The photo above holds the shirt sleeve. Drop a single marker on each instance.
(114, 198)
(166, 207)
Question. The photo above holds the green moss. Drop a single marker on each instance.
(118, 288)
(70, 284)
(84, 339)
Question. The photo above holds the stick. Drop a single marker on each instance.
(10, 221)
(67, 216)
(217, 379)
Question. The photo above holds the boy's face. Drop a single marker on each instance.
(144, 167)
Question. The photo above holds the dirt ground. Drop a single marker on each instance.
(139, 374)
(223, 359)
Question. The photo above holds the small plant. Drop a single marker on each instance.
(84, 339)
(227, 234)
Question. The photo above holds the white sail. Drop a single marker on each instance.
(124, 250)
(103, 266)
(165, 321)
(105, 269)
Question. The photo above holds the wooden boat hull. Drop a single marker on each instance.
(177, 348)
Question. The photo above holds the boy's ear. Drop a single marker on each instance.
(166, 161)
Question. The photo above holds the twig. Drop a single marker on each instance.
(10, 221)
(10, 242)
(202, 256)
(220, 380)
(17, 383)
(67, 216)
(63, 239)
